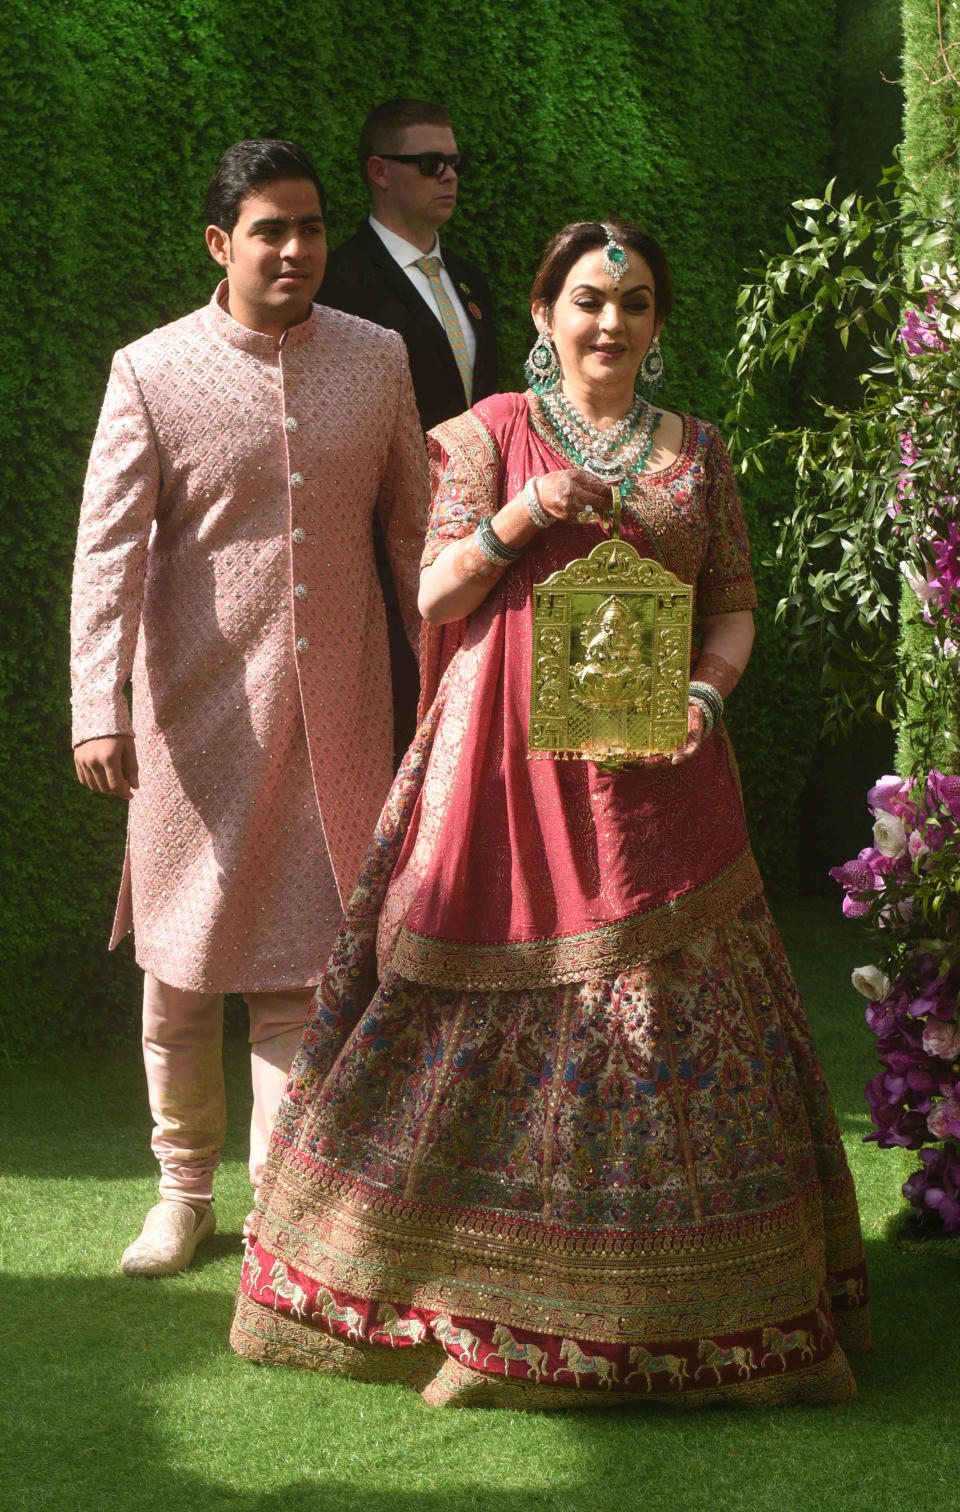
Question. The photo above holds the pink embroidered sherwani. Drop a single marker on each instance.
(225, 557)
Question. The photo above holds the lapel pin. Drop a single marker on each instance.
(464, 288)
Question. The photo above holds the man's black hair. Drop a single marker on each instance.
(248, 166)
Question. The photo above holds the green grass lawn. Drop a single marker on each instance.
(121, 1395)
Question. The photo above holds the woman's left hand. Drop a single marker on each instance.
(695, 726)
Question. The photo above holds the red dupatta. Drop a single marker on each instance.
(526, 872)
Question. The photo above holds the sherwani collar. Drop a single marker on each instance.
(222, 324)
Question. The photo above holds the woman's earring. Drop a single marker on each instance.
(650, 375)
(542, 366)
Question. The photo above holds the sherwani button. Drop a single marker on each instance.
(302, 643)
(299, 535)
(301, 590)
(296, 480)
(292, 423)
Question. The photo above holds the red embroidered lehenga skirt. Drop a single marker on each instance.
(555, 1166)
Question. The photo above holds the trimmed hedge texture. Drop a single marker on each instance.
(930, 152)
(869, 122)
(701, 121)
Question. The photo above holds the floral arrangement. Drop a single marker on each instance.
(876, 495)
(906, 886)
(934, 571)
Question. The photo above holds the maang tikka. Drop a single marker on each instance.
(614, 255)
(542, 366)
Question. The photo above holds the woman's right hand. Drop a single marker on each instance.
(573, 491)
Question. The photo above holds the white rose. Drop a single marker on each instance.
(889, 836)
(871, 981)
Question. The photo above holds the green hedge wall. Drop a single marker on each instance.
(930, 154)
(701, 121)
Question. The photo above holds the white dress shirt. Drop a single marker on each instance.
(405, 255)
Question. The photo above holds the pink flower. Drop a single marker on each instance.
(938, 586)
(945, 789)
(943, 1120)
(859, 877)
(890, 795)
(919, 332)
(941, 1039)
(946, 555)
(916, 845)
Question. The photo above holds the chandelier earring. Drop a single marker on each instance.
(652, 368)
(542, 366)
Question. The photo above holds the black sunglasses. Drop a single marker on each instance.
(431, 164)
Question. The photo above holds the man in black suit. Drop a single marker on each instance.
(392, 271)
(409, 158)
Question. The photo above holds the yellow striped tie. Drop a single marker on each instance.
(431, 267)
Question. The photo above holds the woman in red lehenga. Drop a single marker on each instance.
(557, 1133)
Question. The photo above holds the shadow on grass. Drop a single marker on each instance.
(55, 1118)
(109, 1384)
(91, 1367)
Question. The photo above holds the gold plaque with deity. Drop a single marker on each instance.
(611, 657)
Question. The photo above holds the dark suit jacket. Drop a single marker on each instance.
(363, 279)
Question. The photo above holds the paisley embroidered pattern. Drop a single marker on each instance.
(592, 1170)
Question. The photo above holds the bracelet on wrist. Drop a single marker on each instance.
(489, 545)
(536, 511)
(706, 711)
(712, 695)
(709, 699)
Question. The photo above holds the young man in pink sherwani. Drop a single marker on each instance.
(225, 559)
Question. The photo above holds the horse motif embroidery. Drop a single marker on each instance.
(252, 1268)
(778, 1345)
(715, 1357)
(580, 1364)
(460, 1338)
(286, 1290)
(506, 1348)
(648, 1365)
(852, 1287)
(395, 1328)
(348, 1315)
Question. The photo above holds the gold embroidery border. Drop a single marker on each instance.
(655, 1285)
(470, 445)
(727, 598)
(459, 684)
(604, 951)
(271, 1338)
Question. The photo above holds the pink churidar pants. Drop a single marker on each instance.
(183, 1057)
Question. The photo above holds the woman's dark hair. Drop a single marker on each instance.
(564, 249)
(248, 166)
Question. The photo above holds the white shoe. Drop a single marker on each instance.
(170, 1234)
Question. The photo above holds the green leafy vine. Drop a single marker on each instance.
(876, 476)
